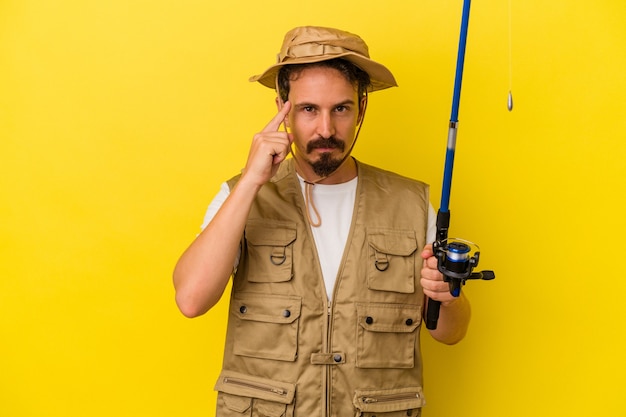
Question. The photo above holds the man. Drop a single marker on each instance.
(329, 256)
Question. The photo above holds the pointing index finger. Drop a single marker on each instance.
(275, 123)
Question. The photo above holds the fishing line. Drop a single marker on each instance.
(509, 100)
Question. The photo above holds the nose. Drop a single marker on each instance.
(325, 125)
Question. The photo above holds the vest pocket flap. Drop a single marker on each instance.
(237, 403)
(391, 318)
(249, 386)
(270, 233)
(387, 401)
(266, 308)
(270, 250)
(393, 242)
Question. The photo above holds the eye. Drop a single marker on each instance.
(308, 109)
(341, 109)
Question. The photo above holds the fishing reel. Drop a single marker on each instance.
(457, 259)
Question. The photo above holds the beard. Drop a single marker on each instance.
(326, 165)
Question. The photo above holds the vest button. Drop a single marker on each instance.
(369, 320)
(286, 313)
(243, 309)
(409, 322)
(337, 358)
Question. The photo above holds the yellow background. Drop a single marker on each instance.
(120, 118)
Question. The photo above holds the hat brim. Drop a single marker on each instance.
(380, 76)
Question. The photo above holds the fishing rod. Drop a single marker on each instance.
(456, 257)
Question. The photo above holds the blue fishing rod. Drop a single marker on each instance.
(456, 257)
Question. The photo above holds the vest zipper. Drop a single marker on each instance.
(327, 369)
(255, 385)
(371, 399)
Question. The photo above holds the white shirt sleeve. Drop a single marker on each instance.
(216, 203)
(431, 233)
(212, 210)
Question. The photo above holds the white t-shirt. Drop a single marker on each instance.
(335, 204)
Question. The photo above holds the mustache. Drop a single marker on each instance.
(331, 142)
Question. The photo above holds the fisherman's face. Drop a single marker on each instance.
(323, 119)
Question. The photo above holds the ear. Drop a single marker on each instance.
(362, 107)
(279, 100)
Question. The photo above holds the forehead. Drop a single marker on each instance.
(321, 82)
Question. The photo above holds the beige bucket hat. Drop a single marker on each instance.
(308, 44)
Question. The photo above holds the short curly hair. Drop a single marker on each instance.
(355, 75)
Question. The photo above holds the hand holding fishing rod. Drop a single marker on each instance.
(456, 258)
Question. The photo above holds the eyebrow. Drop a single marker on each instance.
(307, 104)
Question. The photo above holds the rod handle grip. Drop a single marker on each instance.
(432, 314)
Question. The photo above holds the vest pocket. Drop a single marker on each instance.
(400, 402)
(270, 250)
(245, 395)
(386, 335)
(266, 325)
(391, 258)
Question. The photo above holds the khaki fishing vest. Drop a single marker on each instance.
(289, 351)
